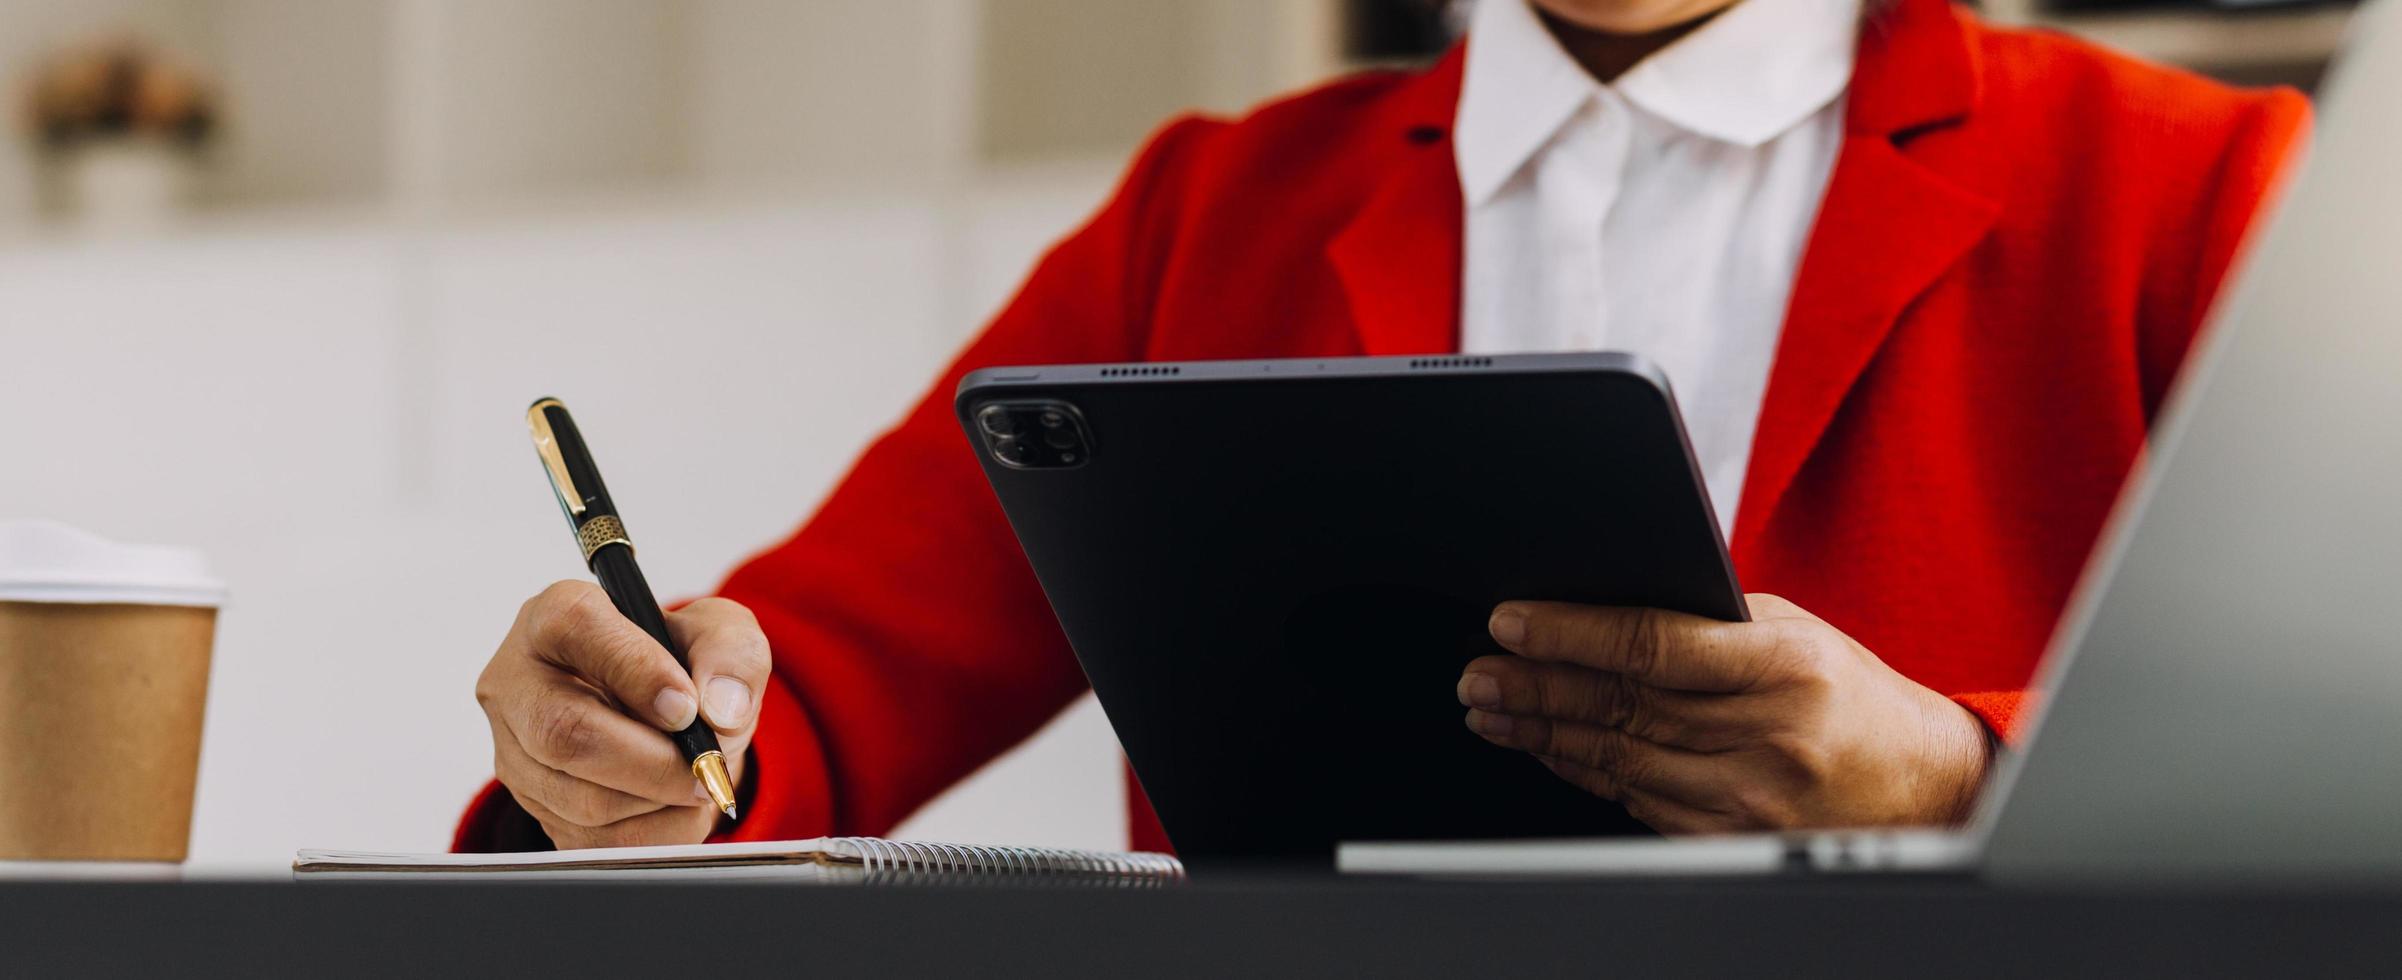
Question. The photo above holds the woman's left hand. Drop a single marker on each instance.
(1696, 725)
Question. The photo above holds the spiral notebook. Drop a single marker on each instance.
(825, 860)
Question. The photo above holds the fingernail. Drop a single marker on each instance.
(729, 702)
(676, 708)
(1491, 724)
(701, 792)
(1508, 626)
(1479, 690)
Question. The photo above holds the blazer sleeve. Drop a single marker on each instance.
(2201, 246)
(911, 641)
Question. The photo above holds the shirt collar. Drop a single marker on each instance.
(1758, 69)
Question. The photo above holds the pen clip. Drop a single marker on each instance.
(546, 446)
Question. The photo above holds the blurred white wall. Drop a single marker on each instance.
(538, 93)
(884, 91)
(1074, 75)
(306, 85)
(335, 415)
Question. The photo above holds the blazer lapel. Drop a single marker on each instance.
(1887, 228)
(1398, 257)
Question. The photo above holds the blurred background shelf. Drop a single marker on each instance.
(2269, 45)
(436, 105)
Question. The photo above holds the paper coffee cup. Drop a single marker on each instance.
(104, 664)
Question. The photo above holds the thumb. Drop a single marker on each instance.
(729, 657)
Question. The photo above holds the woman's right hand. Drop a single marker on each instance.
(581, 701)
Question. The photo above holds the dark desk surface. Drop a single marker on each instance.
(1245, 926)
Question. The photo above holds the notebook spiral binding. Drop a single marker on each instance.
(899, 862)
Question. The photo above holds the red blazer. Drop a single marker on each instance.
(2020, 237)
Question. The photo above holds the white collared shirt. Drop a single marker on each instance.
(1662, 214)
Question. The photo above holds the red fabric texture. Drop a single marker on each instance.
(2017, 245)
(474, 832)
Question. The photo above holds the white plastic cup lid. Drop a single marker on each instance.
(45, 561)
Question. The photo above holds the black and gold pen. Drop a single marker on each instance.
(610, 555)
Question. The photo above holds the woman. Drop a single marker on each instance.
(1920, 282)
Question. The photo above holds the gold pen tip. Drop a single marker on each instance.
(710, 769)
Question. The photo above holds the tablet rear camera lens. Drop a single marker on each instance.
(996, 420)
(1032, 434)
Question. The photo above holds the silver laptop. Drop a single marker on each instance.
(2223, 699)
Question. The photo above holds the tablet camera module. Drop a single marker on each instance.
(1034, 435)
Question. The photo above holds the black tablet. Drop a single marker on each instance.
(1273, 571)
